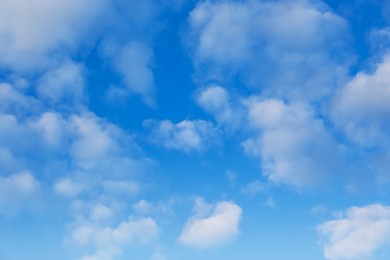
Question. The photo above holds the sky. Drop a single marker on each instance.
(184, 129)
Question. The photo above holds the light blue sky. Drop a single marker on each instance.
(184, 129)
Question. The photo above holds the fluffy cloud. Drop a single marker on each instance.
(63, 83)
(12, 100)
(32, 32)
(357, 232)
(286, 47)
(52, 127)
(108, 242)
(361, 110)
(38, 38)
(133, 62)
(212, 225)
(294, 146)
(67, 187)
(17, 190)
(216, 101)
(186, 135)
(361, 107)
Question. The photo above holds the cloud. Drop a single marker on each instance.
(12, 100)
(133, 62)
(361, 107)
(93, 140)
(270, 203)
(185, 136)
(298, 158)
(147, 208)
(40, 42)
(357, 233)
(109, 242)
(216, 101)
(253, 188)
(63, 83)
(17, 191)
(158, 256)
(33, 32)
(212, 225)
(67, 187)
(52, 127)
(291, 49)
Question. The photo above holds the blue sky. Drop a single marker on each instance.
(184, 129)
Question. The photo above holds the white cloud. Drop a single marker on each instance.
(186, 135)
(108, 242)
(294, 146)
(101, 147)
(52, 127)
(361, 108)
(212, 225)
(216, 101)
(67, 187)
(93, 140)
(101, 212)
(62, 83)
(143, 207)
(133, 62)
(253, 188)
(158, 256)
(17, 190)
(147, 208)
(357, 233)
(14, 135)
(285, 47)
(32, 32)
(13, 101)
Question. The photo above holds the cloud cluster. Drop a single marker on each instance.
(287, 48)
(212, 225)
(36, 32)
(186, 135)
(357, 233)
(294, 146)
(361, 107)
(216, 101)
(17, 190)
(82, 158)
(107, 241)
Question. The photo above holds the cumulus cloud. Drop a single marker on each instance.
(93, 140)
(216, 101)
(52, 127)
(12, 100)
(17, 190)
(285, 47)
(357, 233)
(32, 32)
(294, 146)
(361, 107)
(67, 187)
(133, 61)
(108, 242)
(63, 83)
(212, 225)
(185, 136)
